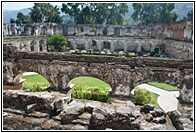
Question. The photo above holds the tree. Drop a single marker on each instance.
(44, 12)
(190, 15)
(151, 13)
(58, 41)
(55, 15)
(22, 19)
(95, 13)
(12, 20)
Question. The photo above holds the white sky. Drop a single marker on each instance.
(21, 5)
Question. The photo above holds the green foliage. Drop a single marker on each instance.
(90, 93)
(58, 41)
(156, 52)
(22, 19)
(12, 20)
(35, 83)
(83, 52)
(163, 86)
(143, 96)
(34, 87)
(95, 13)
(132, 54)
(44, 12)
(189, 15)
(151, 13)
(90, 88)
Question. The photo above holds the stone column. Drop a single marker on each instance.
(112, 46)
(99, 45)
(190, 53)
(178, 52)
(74, 46)
(125, 48)
(185, 52)
(86, 46)
(173, 50)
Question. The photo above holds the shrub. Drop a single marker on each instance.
(121, 53)
(132, 54)
(141, 96)
(34, 87)
(83, 52)
(90, 93)
(58, 41)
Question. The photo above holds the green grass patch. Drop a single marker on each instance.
(90, 88)
(163, 86)
(143, 96)
(35, 83)
(90, 82)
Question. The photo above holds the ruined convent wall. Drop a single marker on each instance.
(182, 30)
(123, 74)
(176, 49)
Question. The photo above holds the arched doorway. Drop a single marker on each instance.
(34, 82)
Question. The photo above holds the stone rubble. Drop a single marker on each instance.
(47, 111)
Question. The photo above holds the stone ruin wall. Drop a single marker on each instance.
(173, 48)
(182, 30)
(60, 68)
(23, 110)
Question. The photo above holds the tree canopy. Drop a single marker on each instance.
(151, 13)
(44, 12)
(58, 41)
(96, 13)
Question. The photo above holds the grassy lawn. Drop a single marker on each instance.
(90, 88)
(143, 96)
(90, 82)
(35, 82)
(163, 86)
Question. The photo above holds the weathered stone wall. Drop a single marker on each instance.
(122, 73)
(182, 30)
(175, 49)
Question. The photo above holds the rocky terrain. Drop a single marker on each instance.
(56, 111)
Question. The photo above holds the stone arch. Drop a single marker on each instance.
(41, 45)
(132, 46)
(119, 46)
(43, 30)
(163, 76)
(106, 45)
(18, 79)
(32, 45)
(88, 80)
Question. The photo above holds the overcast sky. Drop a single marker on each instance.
(21, 5)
